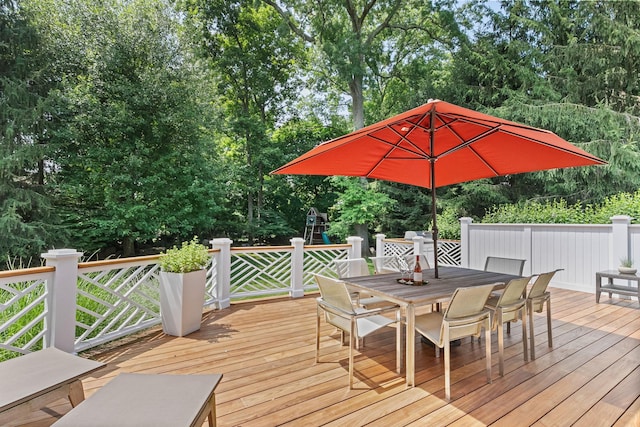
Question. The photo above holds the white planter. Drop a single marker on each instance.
(181, 301)
(627, 270)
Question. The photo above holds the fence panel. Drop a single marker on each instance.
(115, 300)
(23, 312)
(260, 271)
(318, 260)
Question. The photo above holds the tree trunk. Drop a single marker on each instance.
(128, 246)
(355, 88)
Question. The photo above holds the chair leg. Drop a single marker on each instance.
(447, 369)
(509, 328)
(317, 336)
(398, 342)
(525, 350)
(487, 334)
(501, 347)
(549, 331)
(352, 342)
(532, 334)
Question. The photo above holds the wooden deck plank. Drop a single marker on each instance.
(265, 349)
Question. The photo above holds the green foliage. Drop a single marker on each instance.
(191, 256)
(27, 220)
(359, 203)
(560, 212)
(626, 262)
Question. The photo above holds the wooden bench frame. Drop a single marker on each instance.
(37, 379)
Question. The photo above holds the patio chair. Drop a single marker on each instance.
(354, 267)
(386, 264)
(504, 265)
(506, 308)
(336, 305)
(465, 316)
(537, 297)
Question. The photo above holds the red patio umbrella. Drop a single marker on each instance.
(439, 144)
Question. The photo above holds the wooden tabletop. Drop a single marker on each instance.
(436, 290)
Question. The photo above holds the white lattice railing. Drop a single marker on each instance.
(260, 271)
(449, 252)
(23, 310)
(318, 260)
(114, 298)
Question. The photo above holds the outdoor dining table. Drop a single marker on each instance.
(433, 291)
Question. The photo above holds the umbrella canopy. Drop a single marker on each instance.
(439, 144)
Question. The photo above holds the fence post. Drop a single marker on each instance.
(380, 244)
(223, 274)
(418, 245)
(620, 233)
(297, 268)
(465, 244)
(355, 248)
(61, 299)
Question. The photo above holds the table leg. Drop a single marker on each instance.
(411, 345)
(598, 285)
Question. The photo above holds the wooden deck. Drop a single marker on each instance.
(266, 352)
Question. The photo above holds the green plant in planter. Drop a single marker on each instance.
(626, 262)
(191, 256)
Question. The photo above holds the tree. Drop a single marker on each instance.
(256, 62)
(131, 157)
(26, 214)
(356, 41)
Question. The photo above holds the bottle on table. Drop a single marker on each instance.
(417, 272)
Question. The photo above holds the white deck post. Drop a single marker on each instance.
(620, 246)
(380, 244)
(355, 246)
(297, 268)
(223, 287)
(465, 222)
(418, 245)
(61, 299)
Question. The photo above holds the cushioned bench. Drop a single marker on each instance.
(137, 400)
(32, 381)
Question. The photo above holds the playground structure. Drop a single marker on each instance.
(315, 230)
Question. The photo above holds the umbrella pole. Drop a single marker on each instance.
(433, 221)
(432, 160)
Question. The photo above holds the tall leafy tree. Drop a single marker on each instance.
(131, 157)
(362, 46)
(26, 216)
(256, 61)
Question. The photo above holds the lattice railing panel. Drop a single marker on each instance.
(397, 249)
(319, 261)
(212, 281)
(115, 302)
(449, 252)
(260, 273)
(23, 311)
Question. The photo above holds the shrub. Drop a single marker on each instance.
(192, 256)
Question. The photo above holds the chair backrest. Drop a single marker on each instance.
(335, 293)
(539, 288)
(385, 264)
(351, 267)
(504, 265)
(411, 261)
(464, 303)
(514, 291)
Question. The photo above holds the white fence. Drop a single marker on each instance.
(580, 250)
(75, 306)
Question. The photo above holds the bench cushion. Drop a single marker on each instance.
(27, 377)
(146, 400)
